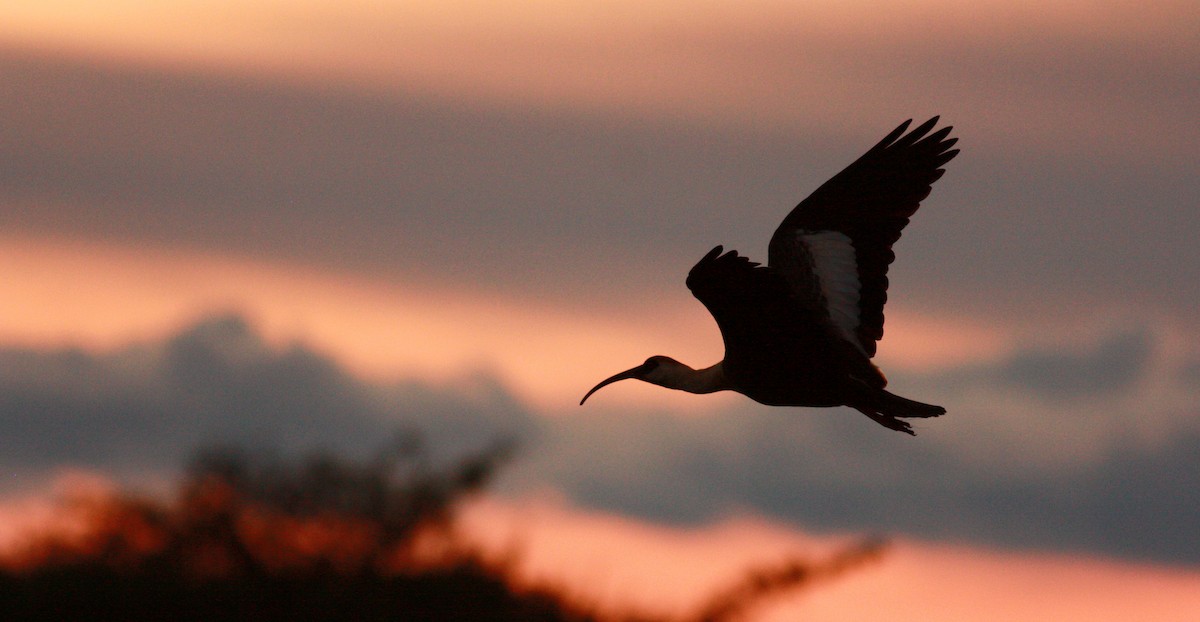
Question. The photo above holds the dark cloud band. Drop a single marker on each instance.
(145, 408)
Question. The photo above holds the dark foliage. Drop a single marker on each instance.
(250, 538)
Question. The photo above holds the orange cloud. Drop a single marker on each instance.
(622, 561)
(61, 293)
(766, 64)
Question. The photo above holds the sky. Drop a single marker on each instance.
(308, 223)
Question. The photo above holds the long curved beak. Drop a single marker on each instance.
(636, 372)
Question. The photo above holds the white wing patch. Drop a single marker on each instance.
(836, 268)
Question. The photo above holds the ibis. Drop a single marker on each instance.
(801, 331)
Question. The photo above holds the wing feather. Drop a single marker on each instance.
(762, 324)
(751, 304)
(865, 207)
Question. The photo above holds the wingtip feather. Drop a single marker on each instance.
(915, 135)
(936, 137)
(945, 157)
(893, 135)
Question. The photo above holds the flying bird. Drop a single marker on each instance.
(801, 331)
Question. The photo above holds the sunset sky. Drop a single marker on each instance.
(307, 223)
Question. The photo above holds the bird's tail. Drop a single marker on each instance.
(896, 406)
(884, 408)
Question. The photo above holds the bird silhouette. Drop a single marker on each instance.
(801, 330)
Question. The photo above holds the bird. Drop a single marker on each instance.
(801, 331)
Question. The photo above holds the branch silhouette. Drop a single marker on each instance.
(761, 584)
(250, 537)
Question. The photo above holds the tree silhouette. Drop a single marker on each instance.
(250, 537)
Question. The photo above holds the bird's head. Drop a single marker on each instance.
(656, 370)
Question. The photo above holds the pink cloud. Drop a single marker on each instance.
(1060, 72)
(101, 296)
(622, 561)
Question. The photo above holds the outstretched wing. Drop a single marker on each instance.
(835, 247)
(749, 302)
(761, 321)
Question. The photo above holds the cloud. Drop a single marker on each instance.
(1072, 196)
(836, 473)
(1075, 73)
(1111, 366)
(143, 408)
(1077, 449)
(575, 206)
(1190, 372)
(611, 558)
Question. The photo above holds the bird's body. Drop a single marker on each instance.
(801, 331)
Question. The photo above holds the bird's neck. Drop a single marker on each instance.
(684, 378)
